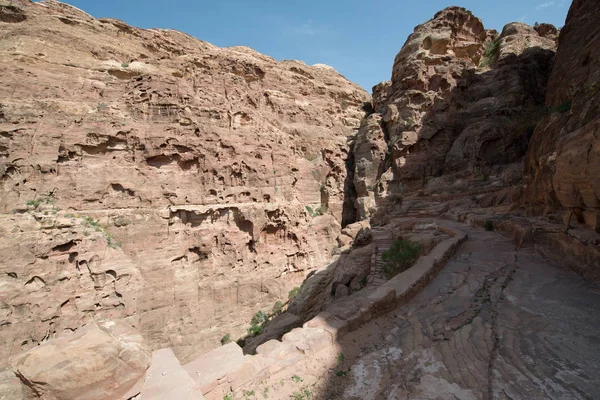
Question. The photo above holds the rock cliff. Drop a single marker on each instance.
(563, 160)
(155, 178)
(460, 108)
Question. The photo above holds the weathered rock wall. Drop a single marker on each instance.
(149, 176)
(563, 160)
(458, 113)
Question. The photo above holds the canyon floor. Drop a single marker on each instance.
(497, 322)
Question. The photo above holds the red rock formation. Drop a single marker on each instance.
(460, 107)
(563, 160)
(152, 177)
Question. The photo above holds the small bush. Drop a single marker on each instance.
(258, 322)
(488, 225)
(33, 203)
(277, 307)
(302, 395)
(226, 339)
(228, 396)
(321, 210)
(95, 224)
(255, 330)
(293, 293)
(296, 379)
(125, 65)
(400, 257)
(340, 358)
(490, 53)
(341, 374)
(259, 318)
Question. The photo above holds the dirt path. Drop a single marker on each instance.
(495, 323)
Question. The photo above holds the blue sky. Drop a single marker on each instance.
(358, 38)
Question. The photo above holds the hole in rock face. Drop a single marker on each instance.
(11, 14)
(63, 248)
(35, 283)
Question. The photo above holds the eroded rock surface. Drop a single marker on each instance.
(495, 323)
(461, 105)
(563, 160)
(149, 176)
(105, 360)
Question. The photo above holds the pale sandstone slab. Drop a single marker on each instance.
(214, 366)
(308, 340)
(166, 379)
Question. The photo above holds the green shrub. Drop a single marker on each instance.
(277, 307)
(400, 257)
(293, 293)
(33, 203)
(95, 224)
(125, 65)
(341, 374)
(488, 225)
(259, 318)
(296, 379)
(490, 53)
(321, 210)
(340, 358)
(302, 395)
(226, 339)
(258, 322)
(228, 396)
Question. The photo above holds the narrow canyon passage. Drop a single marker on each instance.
(495, 323)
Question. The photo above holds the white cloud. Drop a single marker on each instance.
(545, 5)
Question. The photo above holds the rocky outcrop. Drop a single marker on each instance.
(460, 108)
(563, 160)
(105, 360)
(151, 177)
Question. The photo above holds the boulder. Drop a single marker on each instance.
(101, 361)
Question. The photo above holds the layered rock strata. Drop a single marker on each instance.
(152, 177)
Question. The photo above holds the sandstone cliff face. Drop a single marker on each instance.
(460, 109)
(563, 161)
(152, 177)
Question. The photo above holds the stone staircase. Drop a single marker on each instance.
(226, 371)
(383, 240)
